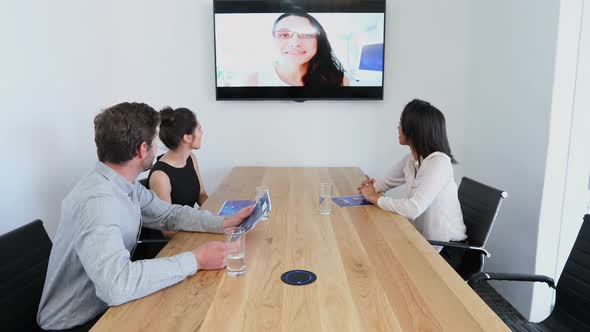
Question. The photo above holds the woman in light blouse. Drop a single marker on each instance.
(431, 200)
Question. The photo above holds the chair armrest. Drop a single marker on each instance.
(147, 241)
(460, 246)
(511, 277)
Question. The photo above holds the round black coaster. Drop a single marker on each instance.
(298, 277)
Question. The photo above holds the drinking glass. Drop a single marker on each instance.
(235, 239)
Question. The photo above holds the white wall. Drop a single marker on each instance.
(576, 189)
(51, 83)
(510, 79)
(527, 134)
(65, 60)
(427, 49)
(566, 169)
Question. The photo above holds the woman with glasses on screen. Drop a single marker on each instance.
(304, 58)
(431, 200)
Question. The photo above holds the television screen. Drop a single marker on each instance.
(299, 50)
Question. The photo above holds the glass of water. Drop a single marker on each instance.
(235, 238)
(260, 190)
(325, 198)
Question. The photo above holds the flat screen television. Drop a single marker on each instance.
(299, 49)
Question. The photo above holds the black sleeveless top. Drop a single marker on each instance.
(184, 181)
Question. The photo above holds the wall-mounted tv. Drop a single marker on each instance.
(299, 49)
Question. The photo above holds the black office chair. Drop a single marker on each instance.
(572, 292)
(24, 253)
(480, 204)
(151, 241)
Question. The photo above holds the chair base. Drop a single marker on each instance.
(511, 317)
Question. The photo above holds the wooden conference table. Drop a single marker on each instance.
(375, 272)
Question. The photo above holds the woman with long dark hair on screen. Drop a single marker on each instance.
(305, 56)
(431, 200)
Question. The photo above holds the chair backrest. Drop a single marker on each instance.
(24, 253)
(573, 289)
(480, 204)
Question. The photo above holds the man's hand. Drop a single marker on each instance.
(210, 256)
(238, 218)
(169, 234)
(366, 181)
(369, 193)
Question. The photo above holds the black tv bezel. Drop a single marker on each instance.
(297, 93)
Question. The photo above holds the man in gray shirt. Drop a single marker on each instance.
(90, 267)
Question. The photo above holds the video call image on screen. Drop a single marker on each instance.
(263, 49)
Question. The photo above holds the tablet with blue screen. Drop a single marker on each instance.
(232, 207)
(262, 207)
(351, 201)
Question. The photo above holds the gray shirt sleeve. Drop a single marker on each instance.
(161, 215)
(107, 262)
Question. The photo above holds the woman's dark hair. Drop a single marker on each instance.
(324, 69)
(174, 124)
(425, 126)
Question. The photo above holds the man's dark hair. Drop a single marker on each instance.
(119, 131)
(425, 126)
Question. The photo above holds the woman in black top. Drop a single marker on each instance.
(175, 177)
